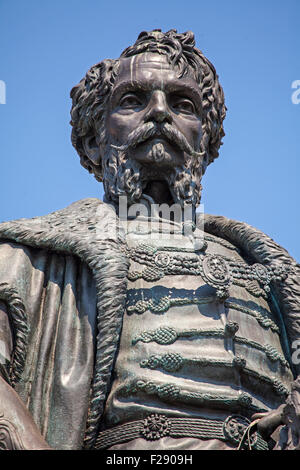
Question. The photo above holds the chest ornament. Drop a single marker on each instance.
(217, 271)
(155, 427)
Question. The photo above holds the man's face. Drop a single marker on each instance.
(148, 89)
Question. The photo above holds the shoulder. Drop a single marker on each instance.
(249, 240)
(54, 228)
(82, 229)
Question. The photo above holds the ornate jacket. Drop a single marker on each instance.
(65, 286)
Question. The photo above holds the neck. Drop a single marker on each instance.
(159, 192)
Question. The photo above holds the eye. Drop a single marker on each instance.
(184, 105)
(130, 100)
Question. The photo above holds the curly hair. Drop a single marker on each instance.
(90, 96)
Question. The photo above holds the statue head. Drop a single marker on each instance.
(151, 121)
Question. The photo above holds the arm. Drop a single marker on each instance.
(17, 428)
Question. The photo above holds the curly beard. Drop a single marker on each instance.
(123, 176)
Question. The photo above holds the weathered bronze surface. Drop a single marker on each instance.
(146, 331)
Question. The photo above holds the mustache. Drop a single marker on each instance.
(151, 129)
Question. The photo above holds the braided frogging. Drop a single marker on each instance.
(267, 252)
(261, 315)
(170, 391)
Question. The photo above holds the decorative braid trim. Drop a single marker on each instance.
(172, 362)
(171, 392)
(167, 335)
(20, 325)
(271, 352)
(163, 304)
(264, 250)
(261, 315)
(156, 426)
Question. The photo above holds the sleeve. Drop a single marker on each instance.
(18, 430)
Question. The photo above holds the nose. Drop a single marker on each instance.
(158, 109)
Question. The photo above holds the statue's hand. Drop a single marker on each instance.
(283, 424)
(269, 422)
(289, 438)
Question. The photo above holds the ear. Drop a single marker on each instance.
(92, 149)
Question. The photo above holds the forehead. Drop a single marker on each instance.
(149, 71)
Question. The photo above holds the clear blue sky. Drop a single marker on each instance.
(47, 46)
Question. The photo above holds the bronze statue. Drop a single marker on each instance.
(144, 331)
